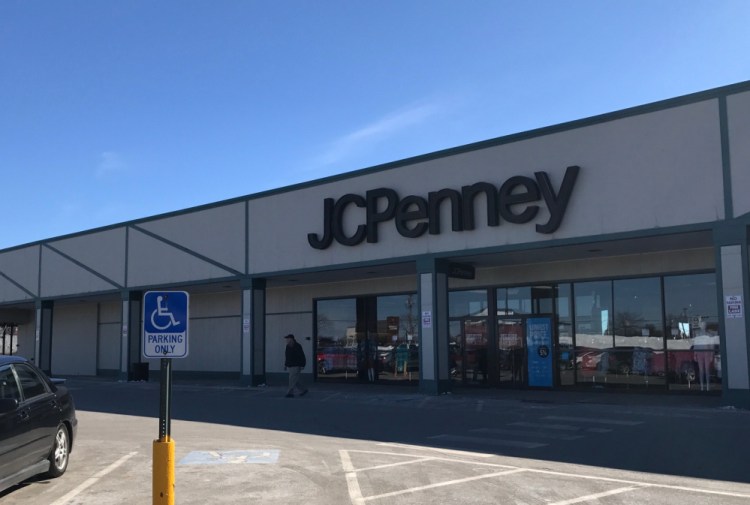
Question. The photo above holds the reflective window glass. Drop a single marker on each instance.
(693, 357)
(593, 312)
(31, 384)
(8, 385)
(398, 337)
(638, 314)
(456, 350)
(593, 329)
(336, 355)
(518, 301)
(467, 303)
(566, 354)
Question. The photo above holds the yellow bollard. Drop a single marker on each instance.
(163, 471)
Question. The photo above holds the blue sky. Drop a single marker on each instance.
(116, 110)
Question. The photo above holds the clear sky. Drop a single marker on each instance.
(116, 110)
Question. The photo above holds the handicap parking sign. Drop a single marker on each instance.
(165, 324)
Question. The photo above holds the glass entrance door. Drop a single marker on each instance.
(511, 351)
(468, 351)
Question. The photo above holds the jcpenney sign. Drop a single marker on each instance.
(515, 201)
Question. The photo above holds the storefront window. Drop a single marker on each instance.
(336, 349)
(368, 338)
(518, 301)
(638, 315)
(468, 346)
(467, 303)
(693, 358)
(565, 349)
(638, 353)
(593, 329)
(398, 337)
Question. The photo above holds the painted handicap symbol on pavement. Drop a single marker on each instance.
(262, 456)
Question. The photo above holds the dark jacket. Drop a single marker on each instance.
(295, 356)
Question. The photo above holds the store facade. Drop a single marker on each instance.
(609, 252)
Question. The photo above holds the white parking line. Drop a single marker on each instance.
(438, 449)
(524, 433)
(484, 441)
(355, 493)
(442, 484)
(334, 395)
(629, 485)
(561, 427)
(639, 483)
(93, 480)
(596, 496)
(618, 422)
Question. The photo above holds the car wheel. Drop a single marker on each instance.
(58, 457)
(623, 369)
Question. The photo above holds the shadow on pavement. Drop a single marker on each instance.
(685, 436)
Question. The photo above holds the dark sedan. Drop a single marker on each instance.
(37, 422)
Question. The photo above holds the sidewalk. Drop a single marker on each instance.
(405, 393)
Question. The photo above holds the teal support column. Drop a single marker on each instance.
(432, 282)
(130, 336)
(731, 241)
(253, 338)
(43, 335)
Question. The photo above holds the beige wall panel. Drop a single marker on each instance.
(278, 325)
(61, 276)
(103, 252)
(735, 341)
(74, 329)
(216, 233)
(154, 263)
(21, 265)
(9, 292)
(300, 298)
(626, 183)
(27, 339)
(594, 268)
(110, 331)
(110, 312)
(221, 304)
(108, 354)
(214, 346)
(738, 112)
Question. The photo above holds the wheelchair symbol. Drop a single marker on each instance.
(161, 312)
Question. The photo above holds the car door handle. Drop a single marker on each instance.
(23, 414)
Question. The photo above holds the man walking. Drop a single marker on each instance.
(294, 362)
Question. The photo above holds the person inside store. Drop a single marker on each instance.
(703, 348)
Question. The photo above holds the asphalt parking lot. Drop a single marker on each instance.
(345, 444)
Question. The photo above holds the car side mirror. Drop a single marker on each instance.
(8, 405)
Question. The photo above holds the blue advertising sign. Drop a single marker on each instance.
(539, 347)
(165, 324)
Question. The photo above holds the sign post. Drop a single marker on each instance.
(165, 336)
